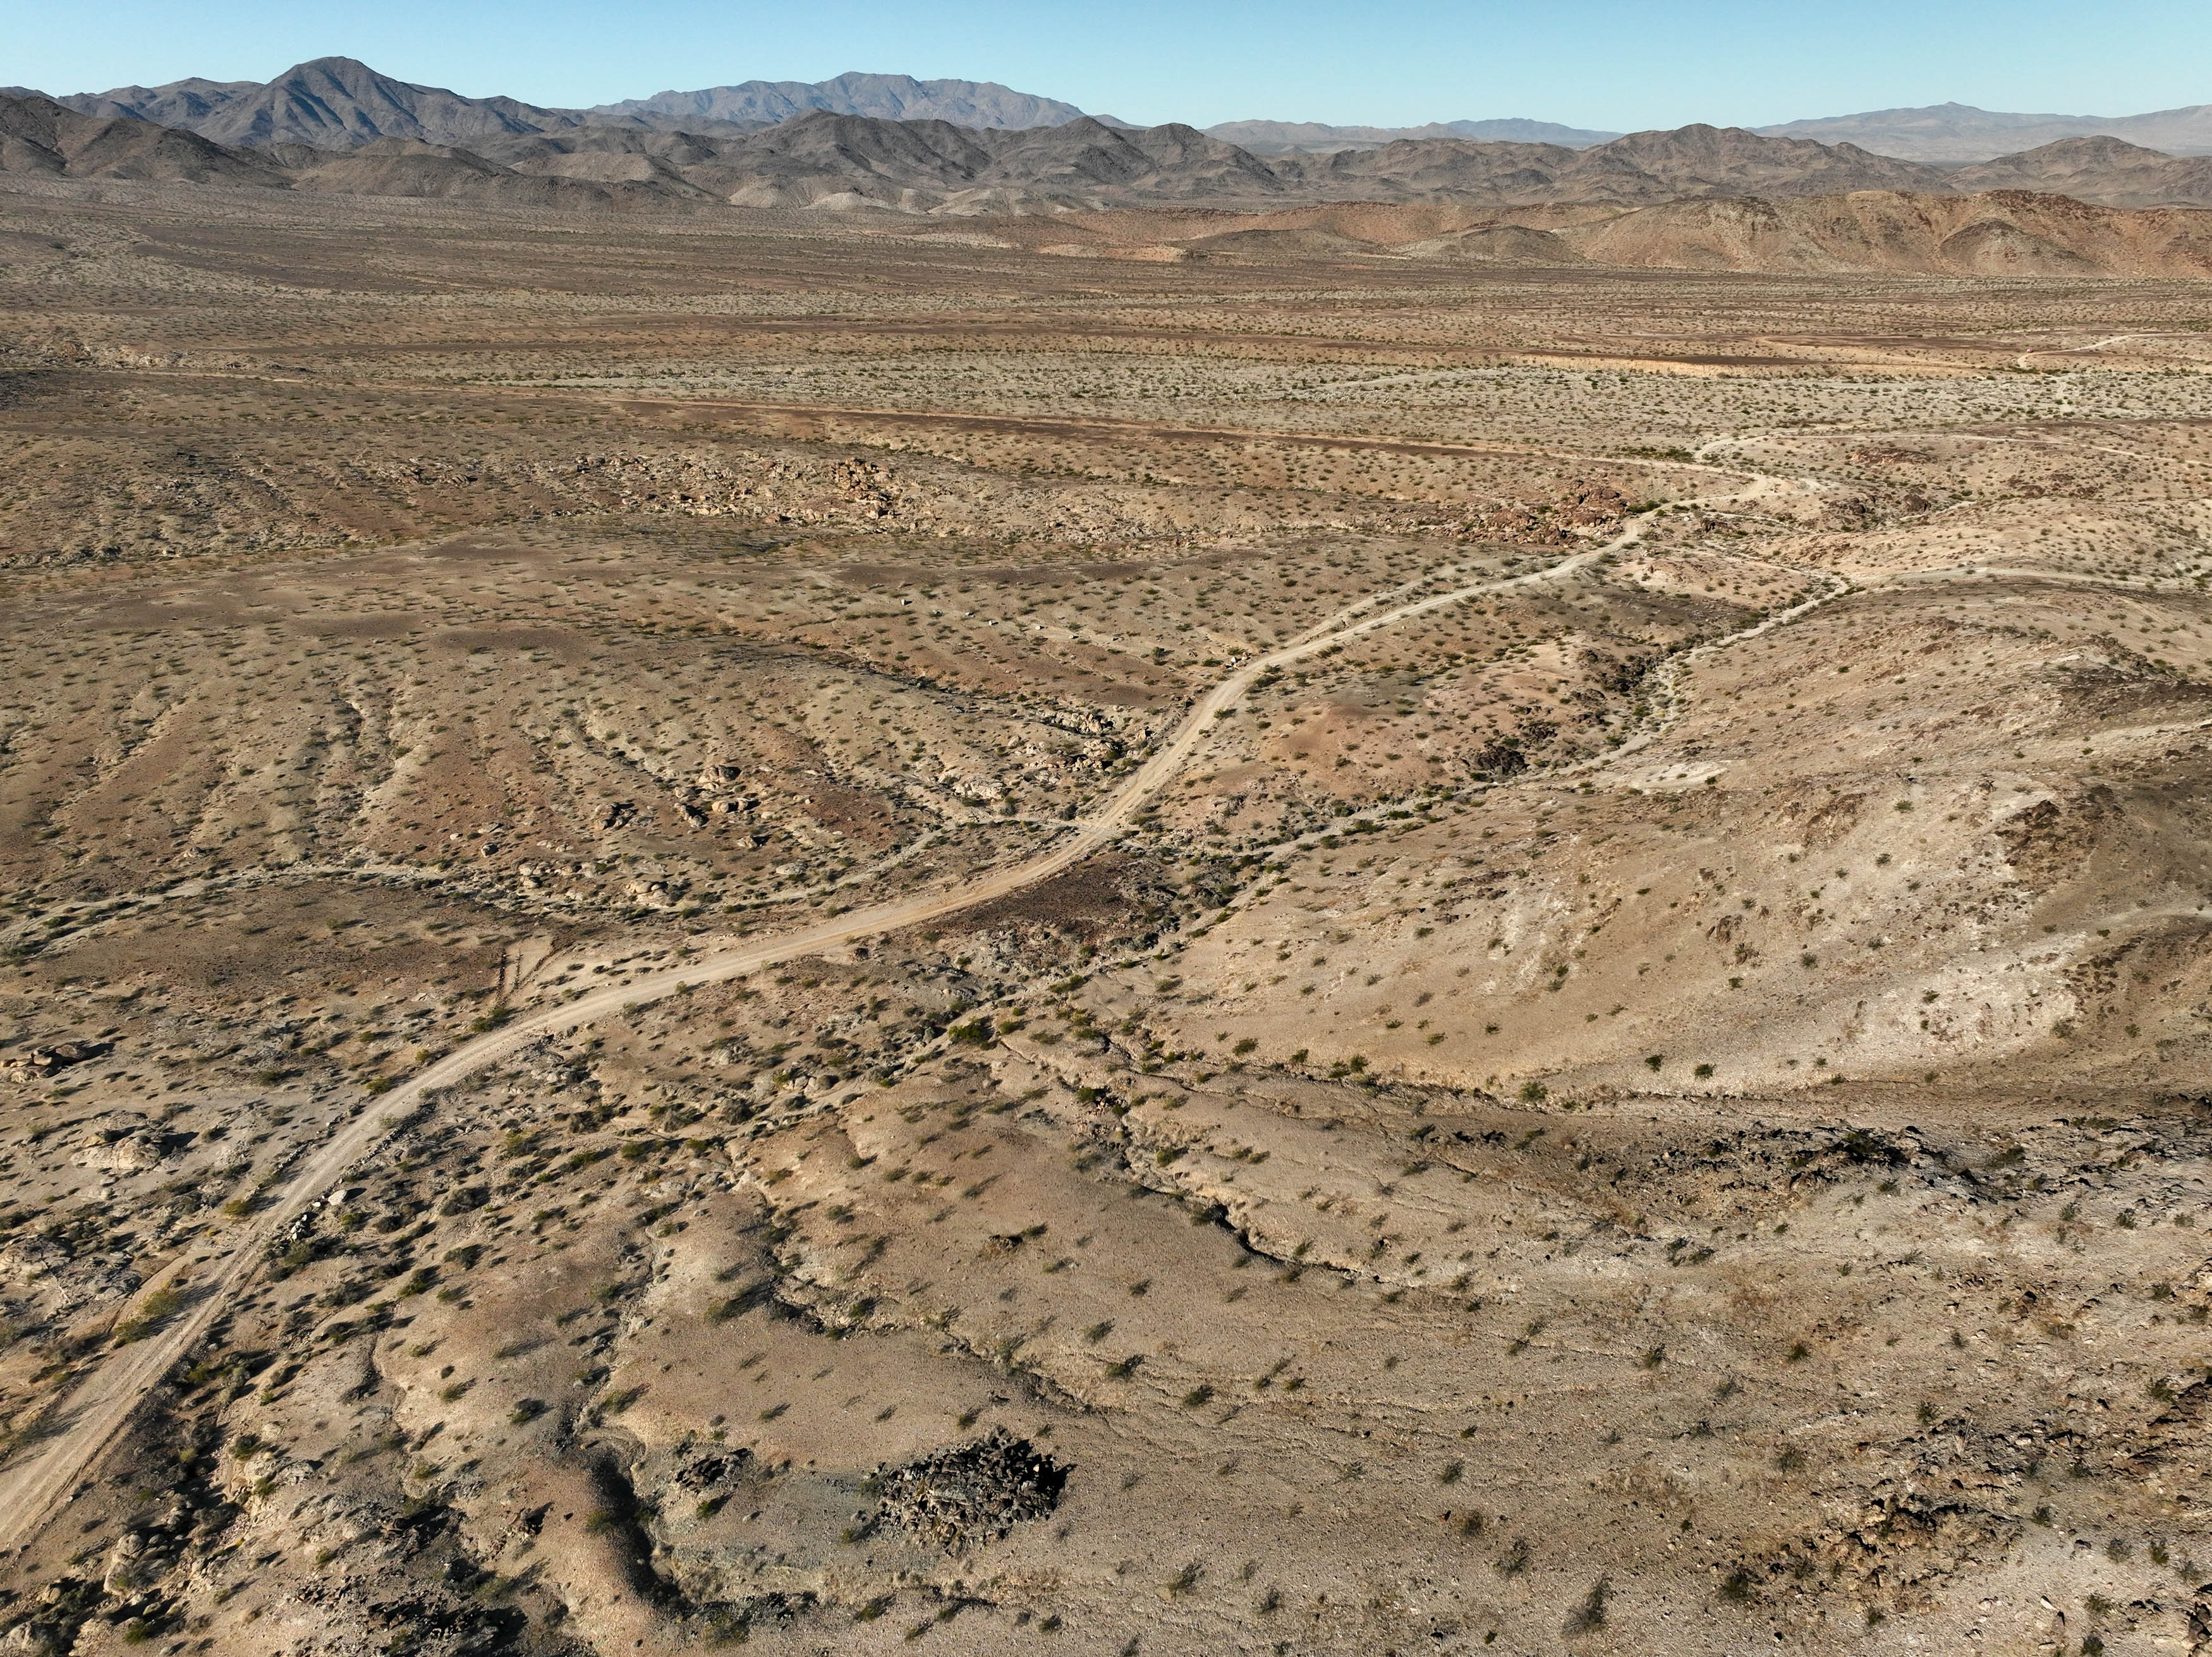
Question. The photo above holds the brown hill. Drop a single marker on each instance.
(892, 97)
(1701, 197)
(1273, 246)
(2108, 170)
(853, 160)
(1500, 244)
(180, 103)
(1643, 166)
(340, 103)
(331, 103)
(37, 134)
(2003, 234)
(929, 165)
(1708, 159)
(1997, 233)
(400, 166)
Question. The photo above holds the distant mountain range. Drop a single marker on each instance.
(1942, 135)
(338, 103)
(1953, 133)
(332, 103)
(1700, 198)
(1313, 137)
(1686, 219)
(980, 104)
(823, 161)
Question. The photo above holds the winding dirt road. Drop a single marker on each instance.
(98, 1411)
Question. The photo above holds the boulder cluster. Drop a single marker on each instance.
(973, 1493)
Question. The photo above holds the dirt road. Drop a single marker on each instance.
(95, 1415)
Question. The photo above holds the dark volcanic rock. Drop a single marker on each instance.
(973, 1493)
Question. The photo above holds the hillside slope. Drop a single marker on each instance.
(1995, 233)
(2003, 234)
(39, 135)
(2103, 169)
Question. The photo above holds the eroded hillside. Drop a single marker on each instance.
(864, 942)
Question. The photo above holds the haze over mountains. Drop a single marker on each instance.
(1953, 134)
(1317, 138)
(1943, 135)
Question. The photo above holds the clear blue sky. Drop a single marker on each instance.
(1616, 64)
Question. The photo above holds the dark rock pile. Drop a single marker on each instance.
(707, 1470)
(973, 1493)
(45, 1061)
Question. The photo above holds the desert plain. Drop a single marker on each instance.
(1141, 932)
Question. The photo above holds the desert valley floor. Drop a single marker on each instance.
(864, 934)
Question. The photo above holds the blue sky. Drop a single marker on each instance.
(1616, 64)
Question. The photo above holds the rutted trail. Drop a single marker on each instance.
(102, 1407)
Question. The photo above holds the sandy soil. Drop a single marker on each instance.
(854, 943)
